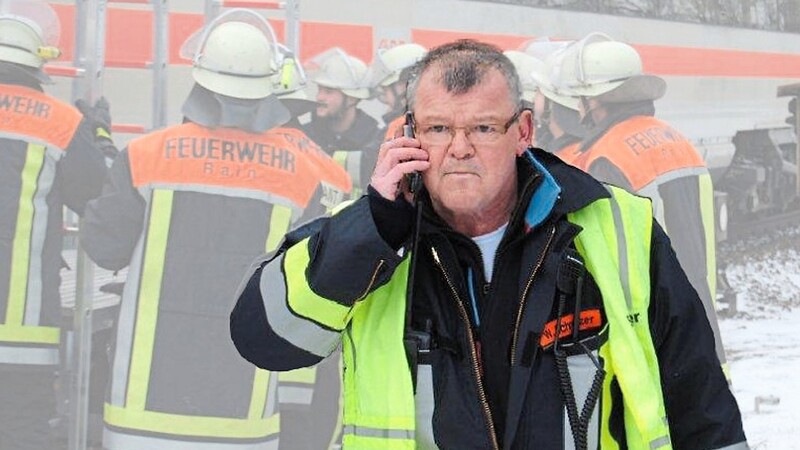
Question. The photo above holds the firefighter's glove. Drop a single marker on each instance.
(99, 116)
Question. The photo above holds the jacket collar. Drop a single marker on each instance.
(19, 75)
(212, 110)
(563, 189)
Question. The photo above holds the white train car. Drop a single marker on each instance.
(721, 80)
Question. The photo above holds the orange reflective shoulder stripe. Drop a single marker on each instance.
(190, 154)
(643, 148)
(28, 112)
(394, 128)
(570, 153)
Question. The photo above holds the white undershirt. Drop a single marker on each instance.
(488, 244)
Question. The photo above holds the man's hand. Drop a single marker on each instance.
(396, 158)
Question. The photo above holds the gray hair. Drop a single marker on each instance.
(462, 65)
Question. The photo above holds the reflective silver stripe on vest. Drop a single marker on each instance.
(351, 161)
(353, 167)
(271, 405)
(674, 175)
(378, 432)
(660, 442)
(739, 446)
(650, 190)
(423, 408)
(127, 318)
(254, 194)
(293, 395)
(622, 252)
(581, 372)
(301, 333)
(33, 301)
(122, 441)
(28, 355)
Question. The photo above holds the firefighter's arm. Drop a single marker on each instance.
(701, 409)
(113, 222)
(294, 305)
(82, 169)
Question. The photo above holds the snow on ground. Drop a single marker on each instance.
(762, 340)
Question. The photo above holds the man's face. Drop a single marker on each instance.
(471, 176)
(333, 102)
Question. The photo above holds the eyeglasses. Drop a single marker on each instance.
(478, 134)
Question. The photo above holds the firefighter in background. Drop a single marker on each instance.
(558, 124)
(626, 146)
(309, 397)
(50, 156)
(187, 208)
(338, 126)
(388, 76)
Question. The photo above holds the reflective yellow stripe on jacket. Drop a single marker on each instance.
(21, 324)
(351, 161)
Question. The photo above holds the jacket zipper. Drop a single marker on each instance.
(371, 281)
(536, 268)
(463, 312)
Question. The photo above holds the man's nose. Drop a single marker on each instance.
(460, 145)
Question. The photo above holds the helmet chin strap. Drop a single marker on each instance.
(543, 134)
(588, 119)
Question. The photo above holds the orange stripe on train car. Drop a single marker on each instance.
(130, 41)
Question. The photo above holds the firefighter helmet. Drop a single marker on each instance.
(598, 66)
(543, 75)
(235, 55)
(338, 70)
(390, 63)
(541, 48)
(525, 65)
(29, 32)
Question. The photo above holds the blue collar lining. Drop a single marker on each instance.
(545, 197)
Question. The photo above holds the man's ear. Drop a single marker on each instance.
(351, 101)
(525, 127)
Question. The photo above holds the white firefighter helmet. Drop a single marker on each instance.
(598, 66)
(542, 47)
(338, 70)
(29, 32)
(525, 65)
(235, 55)
(390, 63)
(543, 75)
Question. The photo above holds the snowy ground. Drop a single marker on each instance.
(762, 340)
